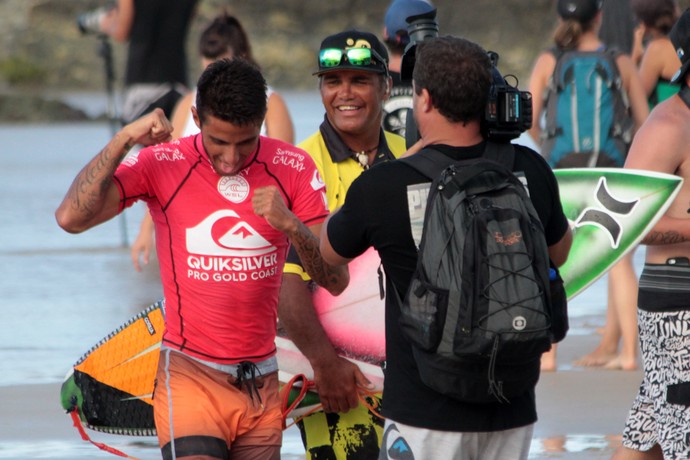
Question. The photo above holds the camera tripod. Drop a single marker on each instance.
(105, 50)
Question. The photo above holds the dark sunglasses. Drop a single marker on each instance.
(332, 57)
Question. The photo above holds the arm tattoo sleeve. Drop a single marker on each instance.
(307, 246)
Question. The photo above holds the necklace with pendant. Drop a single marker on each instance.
(362, 157)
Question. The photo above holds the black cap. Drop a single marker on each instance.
(355, 39)
(580, 10)
(680, 37)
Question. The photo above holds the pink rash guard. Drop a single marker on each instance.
(221, 265)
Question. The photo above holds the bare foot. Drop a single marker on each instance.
(622, 364)
(597, 358)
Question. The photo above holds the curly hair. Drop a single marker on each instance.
(457, 74)
(234, 91)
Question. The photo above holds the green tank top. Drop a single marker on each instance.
(663, 90)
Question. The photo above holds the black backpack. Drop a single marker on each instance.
(478, 309)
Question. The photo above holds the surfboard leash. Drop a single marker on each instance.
(303, 384)
(367, 398)
(76, 420)
(372, 401)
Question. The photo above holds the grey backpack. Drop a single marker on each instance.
(477, 311)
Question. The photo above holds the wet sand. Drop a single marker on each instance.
(581, 415)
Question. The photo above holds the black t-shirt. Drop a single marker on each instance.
(377, 213)
(157, 41)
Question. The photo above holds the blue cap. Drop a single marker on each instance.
(395, 21)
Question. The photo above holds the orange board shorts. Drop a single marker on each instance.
(210, 414)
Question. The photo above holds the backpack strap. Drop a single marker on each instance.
(433, 162)
(428, 162)
(480, 176)
(502, 153)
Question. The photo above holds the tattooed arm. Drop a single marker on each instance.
(668, 230)
(268, 203)
(93, 197)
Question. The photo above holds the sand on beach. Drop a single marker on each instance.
(581, 415)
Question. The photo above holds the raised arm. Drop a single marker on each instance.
(93, 197)
(268, 203)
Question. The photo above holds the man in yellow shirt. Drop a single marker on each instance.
(354, 83)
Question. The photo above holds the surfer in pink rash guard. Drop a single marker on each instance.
(658, 421)
(226, 204)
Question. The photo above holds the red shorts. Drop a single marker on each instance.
(211, 415)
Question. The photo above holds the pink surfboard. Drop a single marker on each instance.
(354, 320)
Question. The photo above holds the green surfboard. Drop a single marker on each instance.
(610, 210)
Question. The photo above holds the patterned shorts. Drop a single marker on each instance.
(660, 413)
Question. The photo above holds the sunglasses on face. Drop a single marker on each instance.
(332, 57)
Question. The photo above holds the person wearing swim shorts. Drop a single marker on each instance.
(353, 93)
(224, 37)
(657, 425)
(226, 203)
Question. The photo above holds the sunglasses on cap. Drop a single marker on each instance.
(332, 57)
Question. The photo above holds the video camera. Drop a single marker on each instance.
(508, 111)
(90, 21)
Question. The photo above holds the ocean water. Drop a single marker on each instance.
(62, 293)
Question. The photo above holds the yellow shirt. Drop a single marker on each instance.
(339, 175)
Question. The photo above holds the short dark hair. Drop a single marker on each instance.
(234, 91)
(457, 74)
